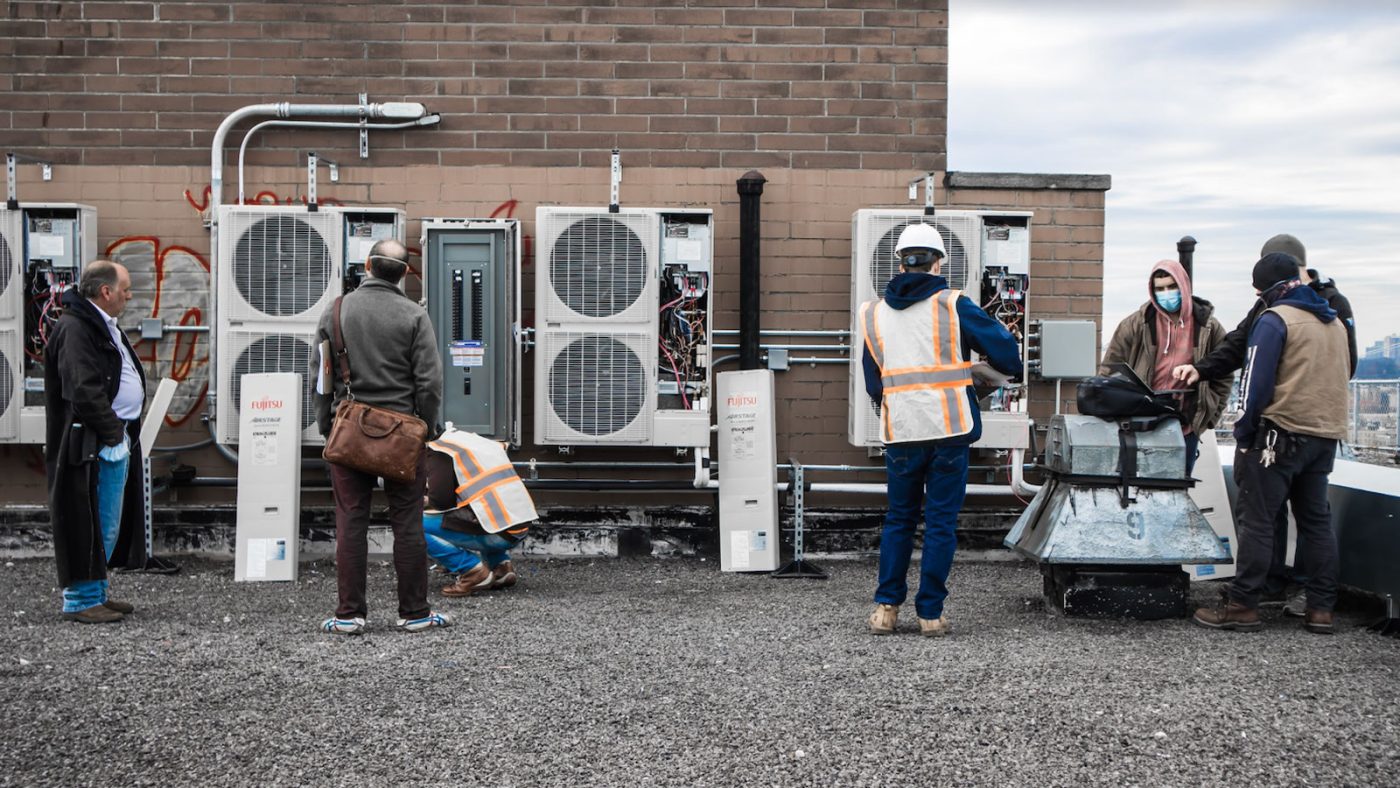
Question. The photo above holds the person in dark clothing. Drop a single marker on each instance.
(395, 365)
(1294, 389)
(94, 390)
(1229, 356)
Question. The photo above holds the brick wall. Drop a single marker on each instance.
(839, 104)
(720, 83)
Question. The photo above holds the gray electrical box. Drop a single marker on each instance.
(1068, 349)
(471, 285)
(363, 228)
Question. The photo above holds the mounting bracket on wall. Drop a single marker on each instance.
(364, 126)
(12, 180)
(927, 181)
(615, 179)
(312, 159)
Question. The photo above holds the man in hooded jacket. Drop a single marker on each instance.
(917, 345)
(1294, 390)
(1174, 327)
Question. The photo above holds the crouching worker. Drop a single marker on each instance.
(478, 510)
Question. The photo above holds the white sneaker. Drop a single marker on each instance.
(426, 622)
(343, 626)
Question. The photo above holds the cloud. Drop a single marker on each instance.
(1227, 122)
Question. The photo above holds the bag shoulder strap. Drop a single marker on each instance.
(342, 356)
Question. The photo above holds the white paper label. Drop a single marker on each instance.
(468, 353)
(739, 549)
(257, 558)
(689, 250)
(48, 245)
(263, 450)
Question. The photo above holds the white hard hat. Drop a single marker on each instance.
(920, 236)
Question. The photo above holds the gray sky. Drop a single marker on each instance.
(1227, 121)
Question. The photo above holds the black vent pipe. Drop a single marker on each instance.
(1186, 254)
(750, 190)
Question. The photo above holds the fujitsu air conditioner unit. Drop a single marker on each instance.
(244, 352)
(623, 327)
(873, 264)
(277, 264)
(11, 391)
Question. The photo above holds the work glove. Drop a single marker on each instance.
(116, 453)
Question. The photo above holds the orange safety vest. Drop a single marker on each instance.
(919, 352)
(486, 481)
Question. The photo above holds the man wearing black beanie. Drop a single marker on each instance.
(1295, 398)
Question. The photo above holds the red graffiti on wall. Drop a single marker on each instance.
(261, 198)
(178, 293)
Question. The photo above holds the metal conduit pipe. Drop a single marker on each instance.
(779, 332)
(787, 347)
(426, 120)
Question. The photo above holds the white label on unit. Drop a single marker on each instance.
(739, 549)
(468, 353)
(742, 421)
(47, 245)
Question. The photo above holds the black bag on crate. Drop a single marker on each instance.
(1122, 394)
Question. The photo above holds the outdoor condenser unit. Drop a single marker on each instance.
(623, 327)
(977, 242)
(278, 268)
(43, 248)
(471, 284)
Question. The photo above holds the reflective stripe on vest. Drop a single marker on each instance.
(478, 484)
(922, 370)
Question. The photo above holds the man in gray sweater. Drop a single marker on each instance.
(394, 364)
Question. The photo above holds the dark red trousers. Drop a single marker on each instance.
(352, 508)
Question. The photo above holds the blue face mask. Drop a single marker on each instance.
(1170, 300)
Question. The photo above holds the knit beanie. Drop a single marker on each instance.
(1273, 268)
(1283, 242)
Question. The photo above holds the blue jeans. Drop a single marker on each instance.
(111, 486)
(457, 551)
(1193, 451)
(932, 480)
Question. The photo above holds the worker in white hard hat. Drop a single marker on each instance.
(918, 342)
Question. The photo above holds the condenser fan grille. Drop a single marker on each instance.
(597, 385)
(281, 266)
(275, 353)
(884, 265)
(7, 264)
(598, 267)
(7, 383)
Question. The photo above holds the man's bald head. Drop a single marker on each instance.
(388, 260)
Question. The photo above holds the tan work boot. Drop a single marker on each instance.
(934, 627)
(1229, 614)
(882, 621)
(468, 583)
(503, 576)
(1319, 621)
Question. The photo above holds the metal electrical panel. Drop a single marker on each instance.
(365, 227)
(471, 282)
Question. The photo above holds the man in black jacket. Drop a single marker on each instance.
(94, 390)
(1229, 356)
